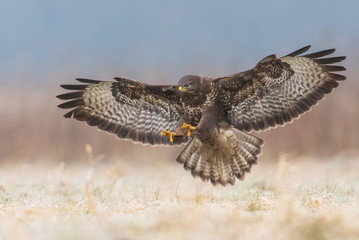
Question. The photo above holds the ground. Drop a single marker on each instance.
(292, 198)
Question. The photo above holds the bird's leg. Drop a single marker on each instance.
(188, 127)
(178, 134)
(169, 134)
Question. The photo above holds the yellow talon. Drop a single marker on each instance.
(189, 128)
(169, 134)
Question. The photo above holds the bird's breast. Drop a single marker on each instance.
(193, 114)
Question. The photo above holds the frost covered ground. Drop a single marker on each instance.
(288, 199)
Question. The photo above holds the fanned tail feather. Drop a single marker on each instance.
(232, 155)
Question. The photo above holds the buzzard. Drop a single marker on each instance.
(214, 116)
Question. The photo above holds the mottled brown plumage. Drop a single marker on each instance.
(222, 110)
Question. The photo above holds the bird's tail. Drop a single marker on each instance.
(222, 158)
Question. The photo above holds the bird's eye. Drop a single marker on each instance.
(186, 85)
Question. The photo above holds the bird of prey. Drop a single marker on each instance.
(213, 116)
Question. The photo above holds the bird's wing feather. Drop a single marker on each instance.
(124, 107)
(276, 91)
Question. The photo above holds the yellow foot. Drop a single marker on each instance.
(189, 128)
(169, 134)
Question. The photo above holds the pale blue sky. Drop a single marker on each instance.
(100, 39)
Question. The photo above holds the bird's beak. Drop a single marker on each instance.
(182, 89)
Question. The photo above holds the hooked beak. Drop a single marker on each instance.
(182, 89)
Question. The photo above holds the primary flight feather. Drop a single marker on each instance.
(214, 116)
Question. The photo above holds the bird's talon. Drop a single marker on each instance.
(189, 128)
(169, 134)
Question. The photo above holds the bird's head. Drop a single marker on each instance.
(189, 84)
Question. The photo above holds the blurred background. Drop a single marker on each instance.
(47, 43)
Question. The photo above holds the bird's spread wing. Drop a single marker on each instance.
(277, 91)
(124, 107)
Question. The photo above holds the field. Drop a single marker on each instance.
(292, 198)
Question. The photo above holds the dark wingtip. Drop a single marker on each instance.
(299, 51)
(72, 104)
(337, 77)
(320, 54)
(85, 80)
(331, 68)
(73, 87)
(69, 114)
(329, 60)
(71, 95)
